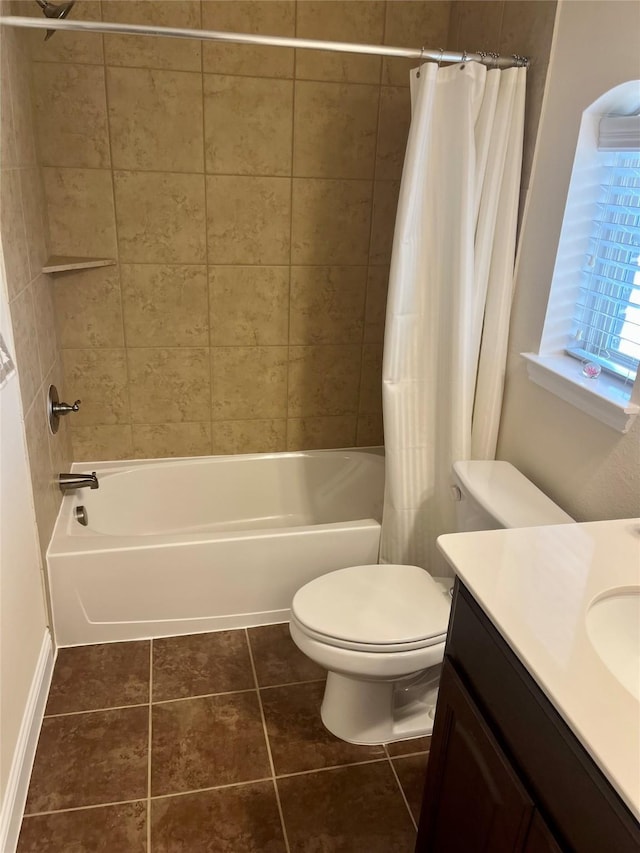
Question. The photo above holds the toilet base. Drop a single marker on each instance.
(375, 712)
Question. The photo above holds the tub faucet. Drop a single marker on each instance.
(67, 482)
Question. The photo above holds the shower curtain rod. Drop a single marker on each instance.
(491, 59)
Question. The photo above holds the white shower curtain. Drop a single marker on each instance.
(449, 296)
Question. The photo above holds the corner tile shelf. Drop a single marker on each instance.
(63, 263)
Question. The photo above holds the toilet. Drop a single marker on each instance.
(380, 630)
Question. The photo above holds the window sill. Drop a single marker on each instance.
(605, 398)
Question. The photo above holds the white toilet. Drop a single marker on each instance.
(380, 630)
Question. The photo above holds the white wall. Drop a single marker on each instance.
(592, 471)
(23, 624)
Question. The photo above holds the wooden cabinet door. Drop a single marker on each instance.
(540, 839)
(473, 800)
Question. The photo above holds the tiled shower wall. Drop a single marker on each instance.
(22, 236)
(249, 197)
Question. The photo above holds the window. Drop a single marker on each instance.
(590, 348)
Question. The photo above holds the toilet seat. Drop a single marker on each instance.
(374, 608)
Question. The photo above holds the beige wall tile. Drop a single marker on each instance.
(60, 446)
(259, 436)
(248, 220)
(45, 327)
(161, 217)
(169, 385)
(67, 47)
(370, 430)
(269, 17)
(376, 305)
(334, 130)
(323, 380)
(385, 203)
(527, 29)
(319, 433)
(98, 377)
(155, 118)
(20, 76)
(327, 305)
(413, 24)
(88, 308)
(165, 306)
(8, 152)
(33, 205)
(102, 443)
(71, 115)
(249, 306)
(479, 25)
(45, 491)
(249, 382)
(145, 52)
(155, 441)
(393, 130)
(26, 346)
(330, 221)
(14, 237)
(80, 212)
(371, 380)
(333, 20)
(248, 125)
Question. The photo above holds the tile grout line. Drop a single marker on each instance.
(404, 796)
(149, 746)
(379, 760)
(268, 745)
(182, 698)
(84, 808)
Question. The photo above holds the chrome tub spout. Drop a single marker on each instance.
(67, 482)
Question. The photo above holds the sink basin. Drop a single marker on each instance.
(613, 626)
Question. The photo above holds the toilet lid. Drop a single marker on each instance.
(378, 605)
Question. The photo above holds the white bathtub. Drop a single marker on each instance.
(179, 546)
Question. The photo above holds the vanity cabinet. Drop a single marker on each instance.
(505, 771)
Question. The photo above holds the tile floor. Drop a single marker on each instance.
(210, 743)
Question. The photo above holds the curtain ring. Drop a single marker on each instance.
(440, 57)
(420, 60)
(483, 55)
(463, 60)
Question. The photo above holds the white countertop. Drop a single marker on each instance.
(536, 585)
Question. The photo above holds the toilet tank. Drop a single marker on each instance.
(492, 494)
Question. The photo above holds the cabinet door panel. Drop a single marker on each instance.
(540, 839)
(473, 800)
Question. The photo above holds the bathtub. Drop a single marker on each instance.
(180, 546)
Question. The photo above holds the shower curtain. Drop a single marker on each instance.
(449, 296)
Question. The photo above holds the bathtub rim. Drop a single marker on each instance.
(62, 542)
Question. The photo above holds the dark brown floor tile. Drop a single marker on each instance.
(244, 819)
(298, 739)
(86, 678)
(411, 772)
(201, 743)
(348, 810)
(201, 663)
(103, 830)
(408, 747)
(277, 658)
(89, 759)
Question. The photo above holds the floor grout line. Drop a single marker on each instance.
(149, 746)
(332, 767)
(84, 808)
(404, 796)
(96, 710)
(268, 744)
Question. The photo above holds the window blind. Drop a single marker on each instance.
(606, 320)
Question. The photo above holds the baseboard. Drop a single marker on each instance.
(24, 754)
